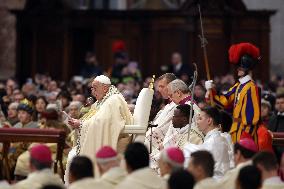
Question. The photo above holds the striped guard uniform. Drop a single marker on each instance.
(243, 98)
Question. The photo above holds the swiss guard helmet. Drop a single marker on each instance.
(244, 55)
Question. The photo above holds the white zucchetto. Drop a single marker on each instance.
(103, 79)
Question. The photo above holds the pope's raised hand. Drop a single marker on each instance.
(74, 123)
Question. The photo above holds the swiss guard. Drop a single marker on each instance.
(243, 97)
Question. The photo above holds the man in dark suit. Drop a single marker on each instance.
(180, 69)
(276, 122)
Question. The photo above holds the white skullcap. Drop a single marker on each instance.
(103, 79)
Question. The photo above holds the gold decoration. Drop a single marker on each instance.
(88, 115)
(151, 85)
(27, 102)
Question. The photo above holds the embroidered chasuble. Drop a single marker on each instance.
(102, 125)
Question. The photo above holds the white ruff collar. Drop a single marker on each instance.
(245, 79)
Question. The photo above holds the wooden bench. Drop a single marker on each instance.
(11, 135)
(278, 139)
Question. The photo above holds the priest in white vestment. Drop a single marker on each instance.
(108, 163)
(171, 159)
(201, 166)
(81, 174)
(181, 125)
(140, 176)
(104, 122)
(179, 93)
(244, 150)
(164, 117)
(267, 163)
(208, 122)
(40, 167)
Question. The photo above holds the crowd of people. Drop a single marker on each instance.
(192, 146)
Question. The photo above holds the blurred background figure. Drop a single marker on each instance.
(91, 66)
(265, 111)
(181, 179)
(12, 117)
(40, 163)
(249, 178)
(182, 70)
(81, 173)
(267, 163)
(276, 121)
(40, 105)
(74, 109)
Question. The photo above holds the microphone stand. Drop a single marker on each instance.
(151, 125)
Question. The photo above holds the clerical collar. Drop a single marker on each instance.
(178, 66)
(210, 133)
(280, 113)
(245, 79)
(183, 129)
(273, 180)
(186, 99)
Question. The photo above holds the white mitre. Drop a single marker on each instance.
(103, 79)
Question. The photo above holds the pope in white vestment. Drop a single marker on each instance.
(104, 122)
(105, 126)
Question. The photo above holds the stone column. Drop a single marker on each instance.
(8, 37)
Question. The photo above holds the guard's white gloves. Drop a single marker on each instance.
(209, 84)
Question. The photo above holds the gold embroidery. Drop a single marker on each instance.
(88, 115)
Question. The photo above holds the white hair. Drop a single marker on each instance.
(106, 160)
(178, 84)
(14, 105)
(78, 104)
(52, 106)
